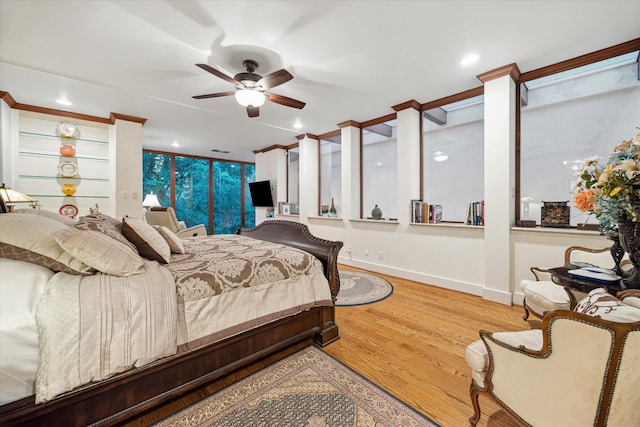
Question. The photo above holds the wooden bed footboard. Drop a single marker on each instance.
(297, 235)
(115, 400)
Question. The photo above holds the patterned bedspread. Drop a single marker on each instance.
(217, 264)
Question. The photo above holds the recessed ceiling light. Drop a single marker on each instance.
(297, 124)
(175, 144)
(470, 59)
(63, 101)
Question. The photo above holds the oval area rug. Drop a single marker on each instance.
(357, 288)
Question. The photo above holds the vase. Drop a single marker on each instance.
(617, 253)
(376, 213)
(629, 236)
(69, 189)
(332, 210)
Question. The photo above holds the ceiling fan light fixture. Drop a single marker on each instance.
(250, 97)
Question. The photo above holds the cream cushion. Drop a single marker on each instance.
(543, 296)
(28, 237)
(599, 303)
(478, 358)
(175, 243)
(100, 251)
(147, 240)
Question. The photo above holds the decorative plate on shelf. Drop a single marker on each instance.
(68, 169)
(69, 210)
(67, 130)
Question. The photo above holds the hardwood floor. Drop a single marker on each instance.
(411, 344)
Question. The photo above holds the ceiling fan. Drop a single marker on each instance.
(251, 87)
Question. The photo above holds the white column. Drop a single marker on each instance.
(350, 137)
(125, 164)
(499, 182)
(309, 182)
(408, 146)
(272, 165)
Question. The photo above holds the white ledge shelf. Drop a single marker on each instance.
(376, 221)
(447, 225)
(328, 218)
(552, 230)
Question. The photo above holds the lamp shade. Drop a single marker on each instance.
(12, 196)
(150, 201)
(247, 97)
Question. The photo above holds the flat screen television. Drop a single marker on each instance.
(261, 194)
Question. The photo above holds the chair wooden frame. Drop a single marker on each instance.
(542, 273)
(619, 331)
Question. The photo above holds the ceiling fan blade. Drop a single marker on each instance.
(217, 73)
(283, 100)
(274, 79)
(214, 95)
(253, 111)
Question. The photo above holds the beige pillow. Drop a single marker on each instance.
(147, 240)
(28, 237)
(49, 214)
(600, 303)
(100, 251)
(106, 225)
(175, 243)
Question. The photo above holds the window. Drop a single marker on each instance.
(453, 156)
(156, 172)
(568, 116)
(330, 174)
(192, 190)
(293, 176)
(379, 168)
(229, 196)
(249, 210)
(227, 189)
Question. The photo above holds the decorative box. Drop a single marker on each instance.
(555, 214)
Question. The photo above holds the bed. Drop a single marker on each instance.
(163, 328)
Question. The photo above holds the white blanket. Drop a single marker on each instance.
(132, 320)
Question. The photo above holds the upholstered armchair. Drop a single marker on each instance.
(167, 216)
(581, 369)
(542, 295)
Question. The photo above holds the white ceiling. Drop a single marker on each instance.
(351, 60)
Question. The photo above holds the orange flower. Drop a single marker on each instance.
(584, 200)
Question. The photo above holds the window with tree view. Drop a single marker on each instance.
(198, 184)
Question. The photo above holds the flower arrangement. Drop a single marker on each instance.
(611, 191)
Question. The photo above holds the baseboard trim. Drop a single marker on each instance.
(502, 297)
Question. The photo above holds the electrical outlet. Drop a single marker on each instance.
(381, 255)
(349, 249)
(134, 195)
(124, 194)
(366, 253)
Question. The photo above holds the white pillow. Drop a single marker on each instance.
(21, 286)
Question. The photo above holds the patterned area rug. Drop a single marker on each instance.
(358, 288)
(308, 388)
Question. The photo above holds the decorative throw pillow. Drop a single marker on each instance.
(28, 237)
(175, 243)
(100, 251)
(104, 224)
(149, 242)
(600, 303)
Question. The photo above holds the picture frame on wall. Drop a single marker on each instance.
(286, 209)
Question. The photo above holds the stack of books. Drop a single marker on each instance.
(425, 213)
(475, 213)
